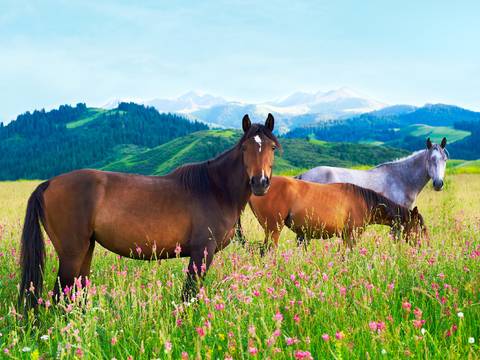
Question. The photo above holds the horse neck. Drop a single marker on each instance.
(412, 171)
(229, 179)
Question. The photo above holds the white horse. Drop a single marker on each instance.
(401, 180)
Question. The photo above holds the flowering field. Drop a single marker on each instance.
(382, 300)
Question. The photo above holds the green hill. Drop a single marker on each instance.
(435, 134)
(299, 154)
(42, 144)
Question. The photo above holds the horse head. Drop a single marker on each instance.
(258, 145)
(416, 227)
(436, 162)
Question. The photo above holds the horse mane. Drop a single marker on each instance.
(435, 146)
(257, 129)
(193, 177)
(374, 200)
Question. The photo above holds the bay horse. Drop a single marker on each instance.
(324, 210)
(400, 180)
(194, 207)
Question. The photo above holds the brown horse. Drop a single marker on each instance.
(194, 207)
(315, 210)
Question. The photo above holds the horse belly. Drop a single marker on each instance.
(139, 228)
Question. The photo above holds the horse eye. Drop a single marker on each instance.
(244, 148)
(274, 147)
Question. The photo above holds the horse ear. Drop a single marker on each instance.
(444, 143)
(246, 123)
(269, 123)
(429, 144)
(415, 212)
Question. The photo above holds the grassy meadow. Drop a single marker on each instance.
(382, 300)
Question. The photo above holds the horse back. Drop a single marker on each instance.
(120, 211)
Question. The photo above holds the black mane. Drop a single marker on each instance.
(374, 200)
(195, 177)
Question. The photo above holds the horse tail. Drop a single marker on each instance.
(32, 260)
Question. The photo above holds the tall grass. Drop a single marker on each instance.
(382, 300)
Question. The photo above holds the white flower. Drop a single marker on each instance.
(460, 314)
(25, 349)
(44, 337)
(422, 331)
(384, 351)
(471, 340)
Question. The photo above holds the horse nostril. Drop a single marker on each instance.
(252, 180)
(267, 182)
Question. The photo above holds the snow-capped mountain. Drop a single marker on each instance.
(189, 101)
(112, 104)
(290, 112)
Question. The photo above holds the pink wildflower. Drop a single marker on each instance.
(406, 305)
(278, 317)
(184, 355)
(200, 331)
(252, 350)
(300, 354)
(417, 323)
(418, 313)
(326, 337)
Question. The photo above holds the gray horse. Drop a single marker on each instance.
(400, 180)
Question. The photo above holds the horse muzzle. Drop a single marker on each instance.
(437, 185)
(260, 185)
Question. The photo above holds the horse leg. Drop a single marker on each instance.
(274, 234)
(239, 233)
(71, 264)
(195, 266)
(87, 262)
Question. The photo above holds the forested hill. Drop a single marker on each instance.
(42, 144)
(404, 130)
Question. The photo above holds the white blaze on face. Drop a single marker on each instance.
(441, 164)
(259, 142)
(263, 176)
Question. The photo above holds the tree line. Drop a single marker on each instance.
(39, 145)
(381, 128)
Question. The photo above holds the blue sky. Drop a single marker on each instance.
(398, 52)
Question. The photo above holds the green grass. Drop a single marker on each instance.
(283, 305)
(436, 133)
(371, 142)
(473, 163)
(92, 114)
(298, 154)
